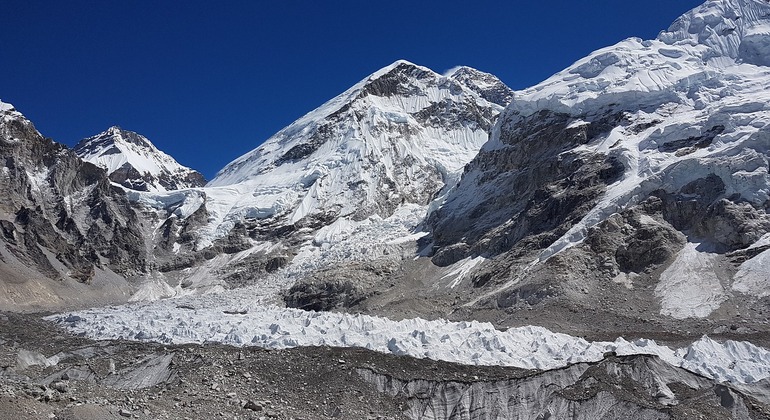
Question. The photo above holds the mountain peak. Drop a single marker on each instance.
(115, 134)
(131, 160)
(487, 85)
(400, 78)
(397, 66)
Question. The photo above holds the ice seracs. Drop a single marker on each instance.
(240, 323)
(132, 161)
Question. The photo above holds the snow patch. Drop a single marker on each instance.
(5, 107)
(753, 276)
(461, 269)
(689, 287)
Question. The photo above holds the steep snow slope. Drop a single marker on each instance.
(134, 162)
(397, 136)
(627, 155)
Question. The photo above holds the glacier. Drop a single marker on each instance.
(224, 318)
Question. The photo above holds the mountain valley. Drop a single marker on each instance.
(606, 230)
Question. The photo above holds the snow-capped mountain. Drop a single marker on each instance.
(68, 236)
(135, 163)
(387, 146)
(396, 137)
(598, 187)
(626, 196)
(635, 182)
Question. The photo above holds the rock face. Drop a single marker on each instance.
(638, 174)
(63, 224)
(133, 162)
(631, 387)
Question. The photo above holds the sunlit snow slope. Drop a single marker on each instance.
(396, 138)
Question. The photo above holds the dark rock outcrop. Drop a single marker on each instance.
(529, 192)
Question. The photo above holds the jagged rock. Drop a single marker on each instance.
(535, 187)
(323, 296)
(61, 217)
(638, 387)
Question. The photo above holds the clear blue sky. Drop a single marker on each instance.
(208, 81)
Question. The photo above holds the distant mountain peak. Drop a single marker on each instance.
(132, 161)
(6, 106)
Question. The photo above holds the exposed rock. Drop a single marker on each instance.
(534, 187)
(639, 387)
(61, 217)
(324, 296)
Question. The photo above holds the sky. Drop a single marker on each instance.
(209, 81)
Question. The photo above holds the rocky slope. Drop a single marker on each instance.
(68, 236)
(135, 163)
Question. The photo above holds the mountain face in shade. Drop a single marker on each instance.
(135, 163)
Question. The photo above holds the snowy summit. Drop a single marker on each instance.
(135, 163)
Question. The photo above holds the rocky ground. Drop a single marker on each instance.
(112, 380)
